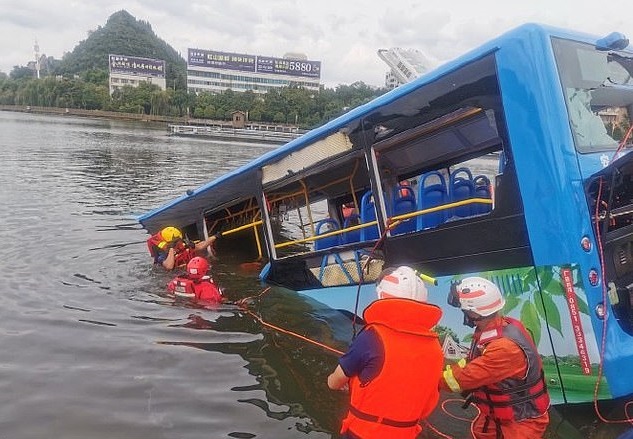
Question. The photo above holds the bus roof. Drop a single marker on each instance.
(240, 183)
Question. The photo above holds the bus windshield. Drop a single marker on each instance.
(598, 92)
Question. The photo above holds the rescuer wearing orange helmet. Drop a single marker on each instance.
(504, 373)
(170, 249)
(196, 283)
(394, 366)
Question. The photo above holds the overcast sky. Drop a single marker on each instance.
(344, 34)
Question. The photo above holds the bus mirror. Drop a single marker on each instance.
(613, 41)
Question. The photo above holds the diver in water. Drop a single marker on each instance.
(170, 250)
(196, 283)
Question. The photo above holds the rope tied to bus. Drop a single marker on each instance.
(603, 342)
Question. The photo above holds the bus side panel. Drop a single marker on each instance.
(552, 306)
(552, 187)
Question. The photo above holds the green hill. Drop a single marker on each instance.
(123, 35)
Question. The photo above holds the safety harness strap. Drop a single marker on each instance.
(386, 421)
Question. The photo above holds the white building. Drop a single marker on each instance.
(132, 70)
(212, 71)
(453, 350)
(405, 65)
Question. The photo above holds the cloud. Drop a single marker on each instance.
(344, 35)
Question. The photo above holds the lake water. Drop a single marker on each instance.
(93, 347)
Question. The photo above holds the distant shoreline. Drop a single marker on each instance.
(178, 126)
(100, 114)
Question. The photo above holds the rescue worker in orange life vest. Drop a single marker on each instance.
(504, 373)
(170, 250)
(196, 283)
(394, 366)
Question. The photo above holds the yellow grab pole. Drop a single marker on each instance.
(240, 228)
(259, 244)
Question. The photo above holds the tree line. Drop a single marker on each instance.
(89, 90)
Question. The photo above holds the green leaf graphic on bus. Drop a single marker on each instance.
(532, 296)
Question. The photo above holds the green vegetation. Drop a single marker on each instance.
(80, 80)
(578, 386)
(123, 35)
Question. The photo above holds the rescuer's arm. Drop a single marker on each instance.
(207, 242)
(337, 379)
(501, 359)
(170, 261)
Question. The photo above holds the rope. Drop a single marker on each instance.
(622, 143)
(390, 226)
(603, 341)
(242, 305)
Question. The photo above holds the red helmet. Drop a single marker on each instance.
(197, 267)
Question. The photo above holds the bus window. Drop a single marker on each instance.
(598, 91)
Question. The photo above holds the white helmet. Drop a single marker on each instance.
(480, 296)
(401, 282)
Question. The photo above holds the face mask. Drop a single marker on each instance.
(468, 321)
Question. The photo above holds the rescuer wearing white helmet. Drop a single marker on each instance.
(393, 367)
(503, 374)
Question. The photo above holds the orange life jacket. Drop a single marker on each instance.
(512, 399)
(406, 389)
(204, 289)
(157, 245)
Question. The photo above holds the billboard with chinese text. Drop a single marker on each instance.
(135, 65)
(252, 63)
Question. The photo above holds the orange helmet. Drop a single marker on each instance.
(402, 282)
(480, 296)
(197, 267)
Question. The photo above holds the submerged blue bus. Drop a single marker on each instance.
(511, 162)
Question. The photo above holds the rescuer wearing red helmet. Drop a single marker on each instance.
(171, 250)
(394, 366)
(504, 373)
(196, 284)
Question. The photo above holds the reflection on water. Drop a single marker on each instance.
(97, 347)
(94, 347)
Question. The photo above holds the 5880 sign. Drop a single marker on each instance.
(310, 69)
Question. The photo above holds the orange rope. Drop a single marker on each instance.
(436, 431)
(294, 334)
(603, 342)
(461, 401)
(242, 305)
(241, 302)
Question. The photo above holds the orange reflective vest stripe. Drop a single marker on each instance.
(513, 399)
(406, 389)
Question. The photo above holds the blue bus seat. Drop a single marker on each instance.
(368, 214)
(404, 202)
(482, 190)
(324, 226)
(461, 187)
(354, 235)
(431, 192)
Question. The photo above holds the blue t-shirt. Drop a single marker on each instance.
(365, 357)
(160, 257)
